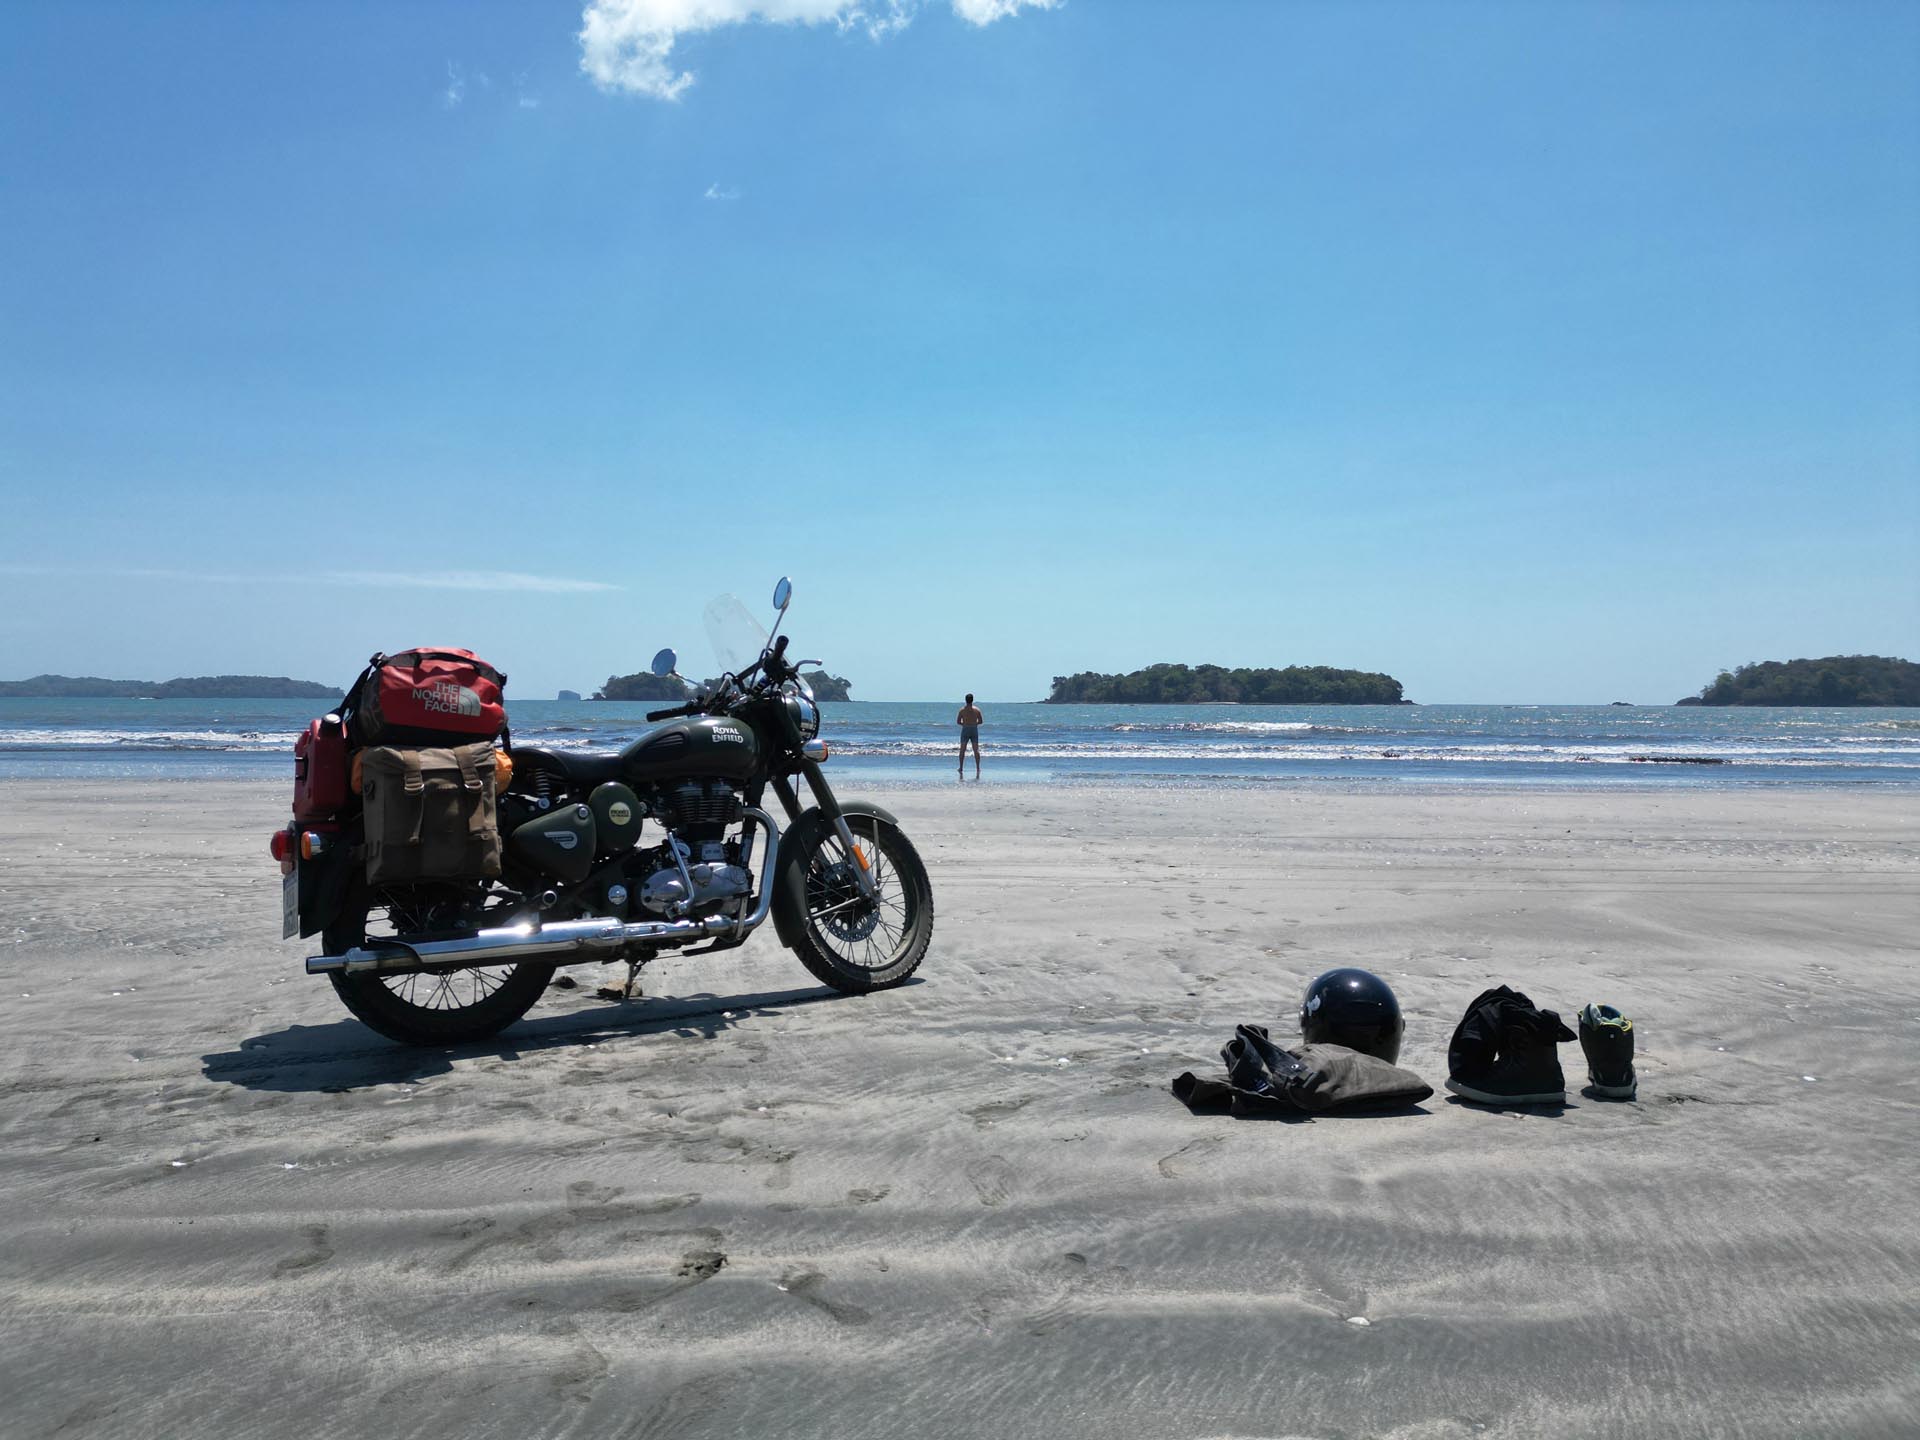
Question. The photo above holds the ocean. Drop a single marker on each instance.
(894, 744)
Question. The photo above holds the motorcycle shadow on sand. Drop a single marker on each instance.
(347, 1056)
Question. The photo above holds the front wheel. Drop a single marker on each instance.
(848, 941)
(438, 1007)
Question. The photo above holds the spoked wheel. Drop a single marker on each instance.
(849, 941)
(438, 1007)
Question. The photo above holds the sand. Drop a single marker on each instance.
(744, 1206)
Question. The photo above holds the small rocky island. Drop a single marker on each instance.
(1835, 680)
(1214, 684)
(196, 687)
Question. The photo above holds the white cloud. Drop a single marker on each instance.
(985, 12)
(466, 580)
(499, 580)
(456, 90)
(715, 192)
(629, 44)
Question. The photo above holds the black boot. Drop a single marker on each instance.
(1607, 1038)
(1503, 1052)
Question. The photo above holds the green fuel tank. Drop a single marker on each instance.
(699, 746)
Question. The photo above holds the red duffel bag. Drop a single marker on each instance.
(426, 696)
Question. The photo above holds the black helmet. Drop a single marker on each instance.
(1354, 1008)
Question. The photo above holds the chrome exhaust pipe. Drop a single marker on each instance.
(581, 938)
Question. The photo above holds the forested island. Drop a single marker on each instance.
(1835, 680)
(643, 686)
(196, 687)
(648, 686)
(825, 686)
(1214, 684)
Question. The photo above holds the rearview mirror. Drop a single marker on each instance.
(782, 594)
(666, 662)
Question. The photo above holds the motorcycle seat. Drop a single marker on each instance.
(580, 767)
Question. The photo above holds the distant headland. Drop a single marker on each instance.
(1214, 684)
(647, 686)
(196, 687)
(1835, 680)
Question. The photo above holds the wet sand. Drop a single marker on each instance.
(745, 1206)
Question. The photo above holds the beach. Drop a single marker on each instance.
(744, 1205)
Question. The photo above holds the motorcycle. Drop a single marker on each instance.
(435, 963)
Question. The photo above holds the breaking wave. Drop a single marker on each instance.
(48, 738)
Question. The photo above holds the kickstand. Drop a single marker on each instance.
(629, 991)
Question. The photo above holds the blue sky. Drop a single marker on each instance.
(1527, 352)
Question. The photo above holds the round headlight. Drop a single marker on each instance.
(805, 715)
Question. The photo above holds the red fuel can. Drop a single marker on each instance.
(320, 770)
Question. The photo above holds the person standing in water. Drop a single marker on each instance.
(969, 721)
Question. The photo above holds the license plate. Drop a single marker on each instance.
(290, 904)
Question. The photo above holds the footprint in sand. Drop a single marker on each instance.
(869, 1197)
(575, 1375)
(585, 1192)
(589, 1207)
(983, 1116)
(1084, 1291)
(698, 1265)
(992, 1180)
(805, 1282)
(464, 1229)
(695, 1268)
(318, 1252)
(1171, 1166)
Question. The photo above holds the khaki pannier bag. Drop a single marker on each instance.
(430, 813)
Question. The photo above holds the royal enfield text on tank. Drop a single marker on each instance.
(448, 871)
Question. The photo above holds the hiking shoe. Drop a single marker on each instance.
(1503, 1052)
(1607, 1038)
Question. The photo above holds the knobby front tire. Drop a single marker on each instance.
(844, 940)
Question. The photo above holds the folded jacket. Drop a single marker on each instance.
(1264, 1078)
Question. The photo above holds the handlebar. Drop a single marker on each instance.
(776, 670)
(771, 661)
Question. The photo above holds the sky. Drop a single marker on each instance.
(1528, 353)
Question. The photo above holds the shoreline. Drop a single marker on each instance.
(276, 772)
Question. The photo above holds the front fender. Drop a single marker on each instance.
(796, 844)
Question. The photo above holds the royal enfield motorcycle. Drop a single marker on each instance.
(667, 844)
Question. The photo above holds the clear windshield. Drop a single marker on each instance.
(737, 637)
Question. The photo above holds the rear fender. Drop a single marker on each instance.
(324, 883)
(796, 844)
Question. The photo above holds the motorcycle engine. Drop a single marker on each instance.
(665, 890)
(698, 811)
(698, 870)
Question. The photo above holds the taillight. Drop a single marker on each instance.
(281, 845)
(312, 844)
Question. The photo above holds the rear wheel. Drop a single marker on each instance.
(435, 1007)
(848, 941)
